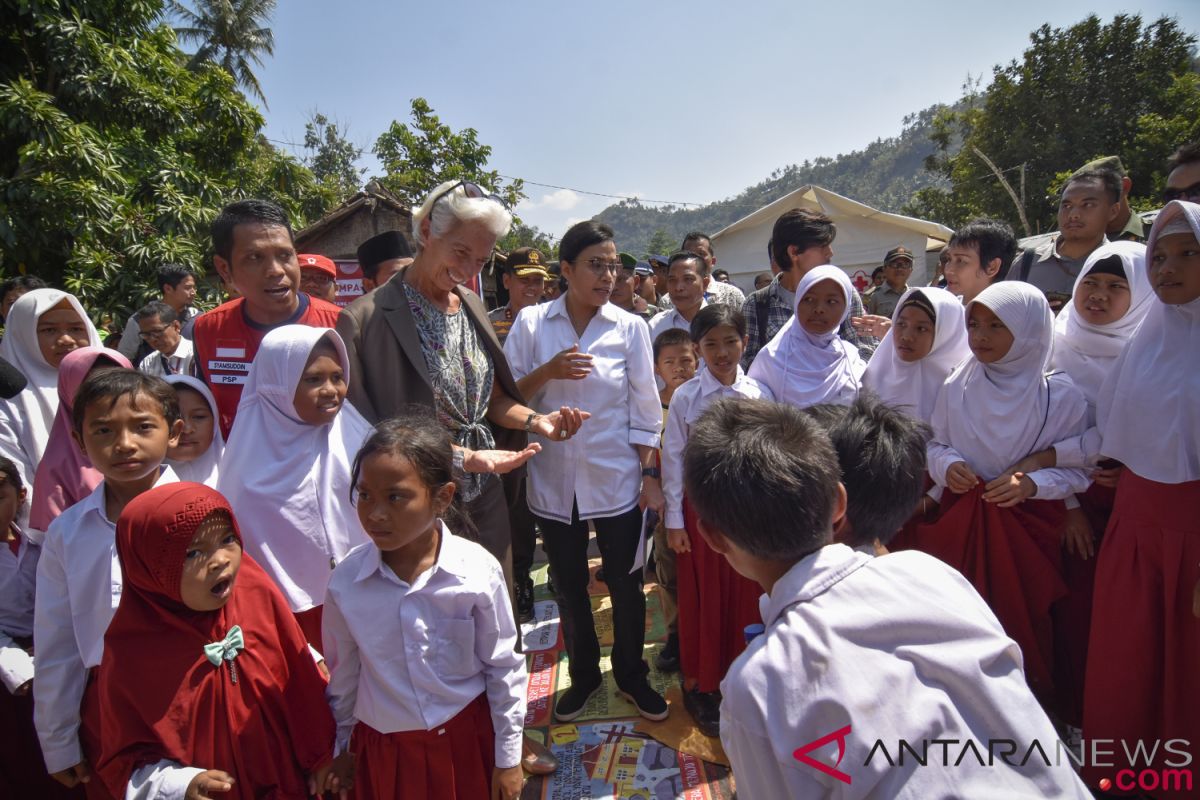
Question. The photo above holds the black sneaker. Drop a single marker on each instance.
(524, 590)
(600, 575)
(705, 708)
(650, 704)
(573, 700)
(667, 659)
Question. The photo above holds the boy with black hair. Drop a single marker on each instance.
(861, 656)
(125, 422)
(881, 452)
(675, 363)
(977, 253)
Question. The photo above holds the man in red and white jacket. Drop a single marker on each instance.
(255, 254)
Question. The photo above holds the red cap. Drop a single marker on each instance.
(313, 261)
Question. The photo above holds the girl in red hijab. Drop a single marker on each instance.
(207, 682)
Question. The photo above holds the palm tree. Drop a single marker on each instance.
(230, 34)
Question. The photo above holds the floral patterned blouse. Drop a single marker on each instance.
(462, 375)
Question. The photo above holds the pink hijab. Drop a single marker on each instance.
(64, 475)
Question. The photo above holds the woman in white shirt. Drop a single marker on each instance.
(582, 351)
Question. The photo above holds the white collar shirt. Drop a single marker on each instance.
(178, 363)
(599, 467)
(865, 652)
(687, 404)
(410, 657)
(671, 318)
(78, 589)
(18, 572)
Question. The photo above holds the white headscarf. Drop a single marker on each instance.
(1086, 351)
(30, 415)
(288, 481)
(913, 386)
(988, 412)
(1148, 410)
(203, 469)
(804, 369)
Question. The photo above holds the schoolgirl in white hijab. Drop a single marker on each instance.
(26, 420)
(205, 467)
(288, 480)
(806, 369)
(1141, 680)
(912, 386)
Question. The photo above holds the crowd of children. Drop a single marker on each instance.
(233, 585)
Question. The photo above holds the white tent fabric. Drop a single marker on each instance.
(864, 235)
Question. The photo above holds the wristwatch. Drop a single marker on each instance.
(529, 421)
(651, 472)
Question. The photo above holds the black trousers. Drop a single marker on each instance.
(566, 548)
(521, 523)
(489, 512)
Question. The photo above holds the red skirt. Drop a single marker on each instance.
(1013, 558)
(310, 624)
(89, 736)
(715, 606)
(1143, 676)
(1073, 614)
(906, 537)
(451, 762)
(22, 768)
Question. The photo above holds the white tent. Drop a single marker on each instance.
(864, 235)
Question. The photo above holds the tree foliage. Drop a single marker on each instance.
(114, 157)
(332, 157)
(1089, 90)
(230, 34)
(417, 158)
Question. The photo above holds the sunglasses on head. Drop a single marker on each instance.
(471, 190)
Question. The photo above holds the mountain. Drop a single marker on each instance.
(885, 175)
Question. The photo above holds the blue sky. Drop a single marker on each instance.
(681, 101)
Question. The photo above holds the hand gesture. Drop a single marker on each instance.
(1009, 490)
(208, 784)
(498, 461)
(871, 325)
(73, 776)
(336, 776)
(507, 783)
(558, 426)
(678, 541)
(570, 364)
(1077, 535)
(960, 478)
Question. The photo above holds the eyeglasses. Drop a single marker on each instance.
(901, 265)
(600, 266)
(153, 334)
(471, 190)
(1191, 193)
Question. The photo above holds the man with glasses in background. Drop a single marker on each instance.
(897, 266)
(1183, 175)
(318, 276)
(159, 327)
(177, 287)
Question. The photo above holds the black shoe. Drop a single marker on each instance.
(573, 700)
(705, 708)
(667, 659)
(523, 587)
(600, 575)
(650, 704)
(550, 585)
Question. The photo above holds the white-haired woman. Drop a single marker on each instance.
(423, 338)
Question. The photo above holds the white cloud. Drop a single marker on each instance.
(561, 200)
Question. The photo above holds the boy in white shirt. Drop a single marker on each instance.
(125, 421)
(861, 656)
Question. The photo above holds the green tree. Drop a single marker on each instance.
(1091, 89)
(115, 158)
(522, 235)
(231, 34)
(331, 156)
(661, 243)
(416, 159)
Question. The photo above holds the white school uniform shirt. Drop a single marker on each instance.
(671, 318)
(687, 404)
(410, 657)
(598, 468)
(898, 647)
(18, 573)
(179, 362)
(78, 589)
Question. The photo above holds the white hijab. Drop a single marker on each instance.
(1086, 351)
(288, 481)
(913, 386)
(804, 369)
(1148, 410)
(989, 412)
(30, 415)
(205, 468)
